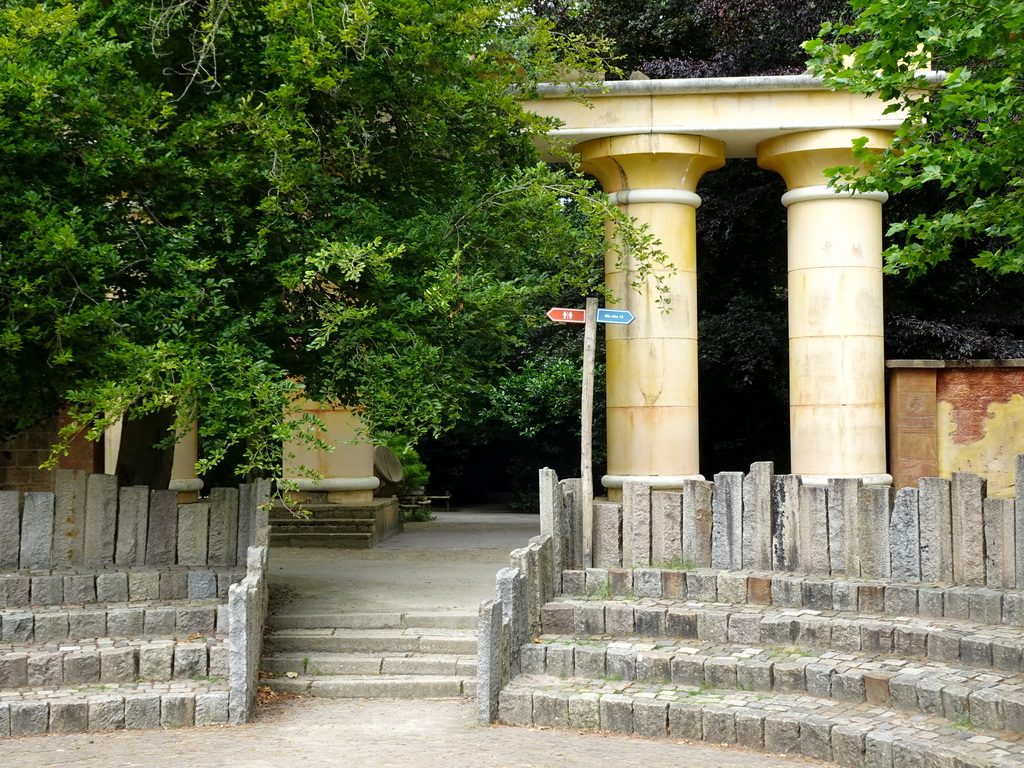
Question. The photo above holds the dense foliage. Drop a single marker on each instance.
(962, 137)
(211, 204)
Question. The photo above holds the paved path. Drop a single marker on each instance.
(363, 733)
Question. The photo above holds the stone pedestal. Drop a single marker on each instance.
(652, 363)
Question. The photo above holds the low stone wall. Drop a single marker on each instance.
(89, 522)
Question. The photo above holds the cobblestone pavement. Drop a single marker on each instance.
(363, 732)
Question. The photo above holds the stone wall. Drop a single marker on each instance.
(88, 521)
(947, 417)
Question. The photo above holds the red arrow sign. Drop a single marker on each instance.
(563, 315)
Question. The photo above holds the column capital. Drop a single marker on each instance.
(801, 158)
(652, 161)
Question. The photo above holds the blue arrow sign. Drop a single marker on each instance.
(615, 316)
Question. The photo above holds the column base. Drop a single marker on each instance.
(868, 480)
(338, 490)
(657, 482)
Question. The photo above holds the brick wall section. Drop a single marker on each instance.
(21, 456)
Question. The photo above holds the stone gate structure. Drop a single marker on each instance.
(649, 143)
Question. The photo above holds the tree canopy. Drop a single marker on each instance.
(962, 137)
(212, 204)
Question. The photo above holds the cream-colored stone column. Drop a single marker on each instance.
(347, 470)
(836, 345)
(183, 467)
(652, 363)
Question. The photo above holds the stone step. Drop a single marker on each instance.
(992, 699)
(323, 540)
(849, 735)
(109, 660)
(409, 619)
(323, 511)
(320, 528)
(785, 590)
(68, 623)
(372, 641)
(369, 687)
(970, 643)
(23, 589)
(79, 709)
(323, 664)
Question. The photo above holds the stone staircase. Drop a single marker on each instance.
(372, 655)
(860, 673)
(99, 650)
(345, 526)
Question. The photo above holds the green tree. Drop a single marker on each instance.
(961, 137)
(210, 204)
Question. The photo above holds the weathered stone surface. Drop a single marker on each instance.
(650, 620)
(719, 724)
(681, 622)
(118, 665)
(757, 516)
(702, 586)
(617, 713)
(190, 660)
(177, 710)
(47, 590)
(732, 587)
(935, 516)
(666, 528)
(750, 728)
(848, 744)
(787, 591)
(650, 718)
(872, 529)
(82, 668)
(106, 713)
(745, 628)
(80, 588)
(585, 711)
(818, 678)
(607, 535)
(10, 524)
(132, 525)
(100, 520)
(755, 675)
(193, 533)
(817, 594)
(647, 582)
(843, 509)
(488, 663)
(112, 587)
(515, 707)
(727, 521)
(125, 622)
(36, 530)
(574, 583)
(697, 520)
(685, 721)
(620, 581)
(620, 663)
(51, 627)
(930, 602)
(589, 662)
(673, 585)
(156, 661)
(816, 738)
(212, 708)
(900, 599)
(45, 670)
(985, 606)
(688, 669)
(69, 517)
(559, 660)
(550, 710)
(720, 672)
(905, 536)
(29, 718)
(173, 585)
(1018, 527)
(636, 524)
(162, 531)
(69, 716)
(144, 585)
(223, 526)
(597, 580)
(16, 627)
(966, 496)
(201, 585)
(713, 626)
(812, 530)
(785, 535)
(142, 711)
(653, 667)
(759, 590)
(510, 589)
(790, 676)
(844, 596)
(782, 733)
(1000, 543)
(13, 670)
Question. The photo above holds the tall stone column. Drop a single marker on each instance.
(347, 470)
(652, 363)
(836, 345)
